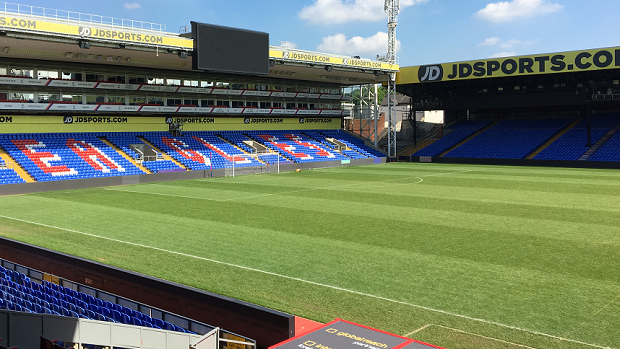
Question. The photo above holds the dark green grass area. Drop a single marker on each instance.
(469, 256)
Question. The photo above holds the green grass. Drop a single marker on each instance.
(483, 256)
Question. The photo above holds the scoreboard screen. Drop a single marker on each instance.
(230, 50)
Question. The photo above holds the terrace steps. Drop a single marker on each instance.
(469, 138)
(269, 148)
(166, 155)
(125, 155)
(554, 138)
(16, 166)
(419, 146)
(587, 154)
(240, 149)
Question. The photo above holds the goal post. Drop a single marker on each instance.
(256, 156)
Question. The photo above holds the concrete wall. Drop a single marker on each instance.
(23, 330)
(516, 162)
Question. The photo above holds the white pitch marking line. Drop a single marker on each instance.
(380, 183)
(310, 282)
(462, 331)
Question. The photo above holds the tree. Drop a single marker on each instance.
(365, 100)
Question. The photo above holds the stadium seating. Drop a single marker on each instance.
(452, 136)
(510, 139)
(572, 144)
(9, 176)
(297, 146)
(19, 293)
(67, 156)
(51, 157)
(609, 152)
(201, 150)
(124, 140)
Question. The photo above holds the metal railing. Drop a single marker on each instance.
(62, 16)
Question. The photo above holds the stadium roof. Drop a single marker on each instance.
(537, 81)
(55, 35)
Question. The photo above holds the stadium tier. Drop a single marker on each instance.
(60, 156)
(49, 157)
(19, 293)
(454, 135)
(509, 139)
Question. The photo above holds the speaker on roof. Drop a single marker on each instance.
(83, 44)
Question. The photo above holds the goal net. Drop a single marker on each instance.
(253, 163)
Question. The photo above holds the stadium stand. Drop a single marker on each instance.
(297, 146)
(19, 293)
(9, 176)
(353, 143)
(509, 139)
(51, 157)
(67, 156)
(572, 144)
(610, 151)
(454, 135)
(201, 150)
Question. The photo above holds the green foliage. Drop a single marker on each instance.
(364, 100)
(455, 255)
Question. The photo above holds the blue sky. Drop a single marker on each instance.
(429, 31)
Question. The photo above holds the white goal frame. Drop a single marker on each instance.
(255, 156)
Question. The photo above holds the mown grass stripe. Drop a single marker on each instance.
(310, 282)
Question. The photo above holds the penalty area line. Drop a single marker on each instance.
(308, 282)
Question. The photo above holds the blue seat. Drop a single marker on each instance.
(159, 323)
(169, 326)
(137, 322)
(148, 324)
(178, 329)
(65, 312)
(126, 319)
(117, 316)
(91, 315)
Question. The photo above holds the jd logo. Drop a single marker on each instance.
(168, 120)
(246, 121)
(301, 120)
(286, 55)
(430, 73)
(68, 120)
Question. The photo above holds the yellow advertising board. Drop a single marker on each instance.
(45, 124)
(573, 61)
(88, 30)
(326, 59)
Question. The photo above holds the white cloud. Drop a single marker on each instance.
(132, 5)
(506, 11)
(504, 54)
(343, 11)
(490, 41)
(357, 45)
(288, 45)
(504, 44)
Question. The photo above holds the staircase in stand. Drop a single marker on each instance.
(590, 151)
(554, 138)
(125, 155)
(18, 168)
(166, 156)
(469, 138)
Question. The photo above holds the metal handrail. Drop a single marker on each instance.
(63, 16)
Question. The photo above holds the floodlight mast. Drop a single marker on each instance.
(392, 7)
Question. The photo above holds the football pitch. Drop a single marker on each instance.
(455, 255)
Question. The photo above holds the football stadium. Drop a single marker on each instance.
(164, 190)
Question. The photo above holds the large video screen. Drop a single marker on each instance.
(224, 49)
